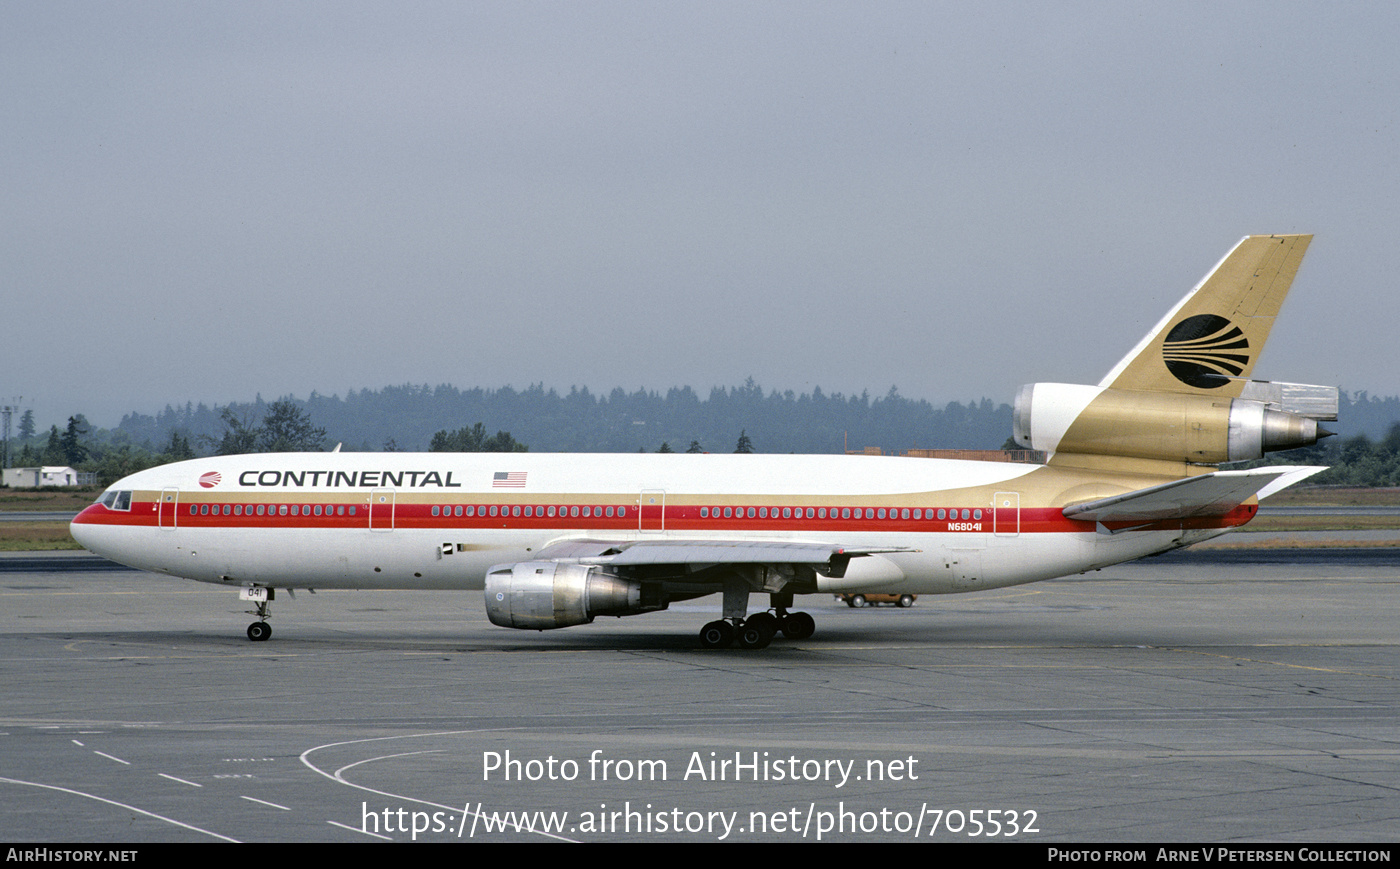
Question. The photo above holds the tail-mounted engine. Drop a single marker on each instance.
(1200, 429)
(538, 595)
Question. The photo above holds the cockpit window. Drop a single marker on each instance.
(114, 499)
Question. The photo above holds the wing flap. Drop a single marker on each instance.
(1213, 494)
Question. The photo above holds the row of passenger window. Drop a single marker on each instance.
(272, 510)
(837, 513)
(596, 512)
(529, 511)
(533, 511)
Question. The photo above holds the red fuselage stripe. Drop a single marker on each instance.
(1025, 520)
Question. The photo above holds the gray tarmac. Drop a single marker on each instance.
(1226, 697)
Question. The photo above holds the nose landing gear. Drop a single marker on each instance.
(259, 630)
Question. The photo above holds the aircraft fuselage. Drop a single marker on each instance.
(441, 520)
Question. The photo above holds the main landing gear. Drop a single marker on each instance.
(758, 630)
(754, 631)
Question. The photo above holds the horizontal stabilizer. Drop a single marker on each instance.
(1208, 495)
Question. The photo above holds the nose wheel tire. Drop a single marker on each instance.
(259, 631)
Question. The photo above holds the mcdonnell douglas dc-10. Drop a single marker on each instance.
(557, 540)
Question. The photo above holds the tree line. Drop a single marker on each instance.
(579, 420)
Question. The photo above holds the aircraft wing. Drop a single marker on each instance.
(670, 551)
(573, 580)
(1211, 494)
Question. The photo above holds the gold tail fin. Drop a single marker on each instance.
(1183, 400)
(1208, 343)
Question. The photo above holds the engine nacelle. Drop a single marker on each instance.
(538, 595)
(1203, 429)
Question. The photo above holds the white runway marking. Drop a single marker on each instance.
(15, 781)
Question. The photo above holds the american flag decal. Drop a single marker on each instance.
(508, 480)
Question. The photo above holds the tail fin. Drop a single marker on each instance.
(1184, 397)
(1209, 342)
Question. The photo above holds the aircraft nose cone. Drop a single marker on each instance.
(82, 527)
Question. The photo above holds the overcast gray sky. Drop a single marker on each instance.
(206, 201)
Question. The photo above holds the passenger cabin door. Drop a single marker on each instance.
(168, 508)
(651, 515)
(1006, 514)
(381, 510)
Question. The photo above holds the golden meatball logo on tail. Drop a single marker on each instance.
(1205, 351)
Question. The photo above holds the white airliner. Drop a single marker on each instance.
(557, 540)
